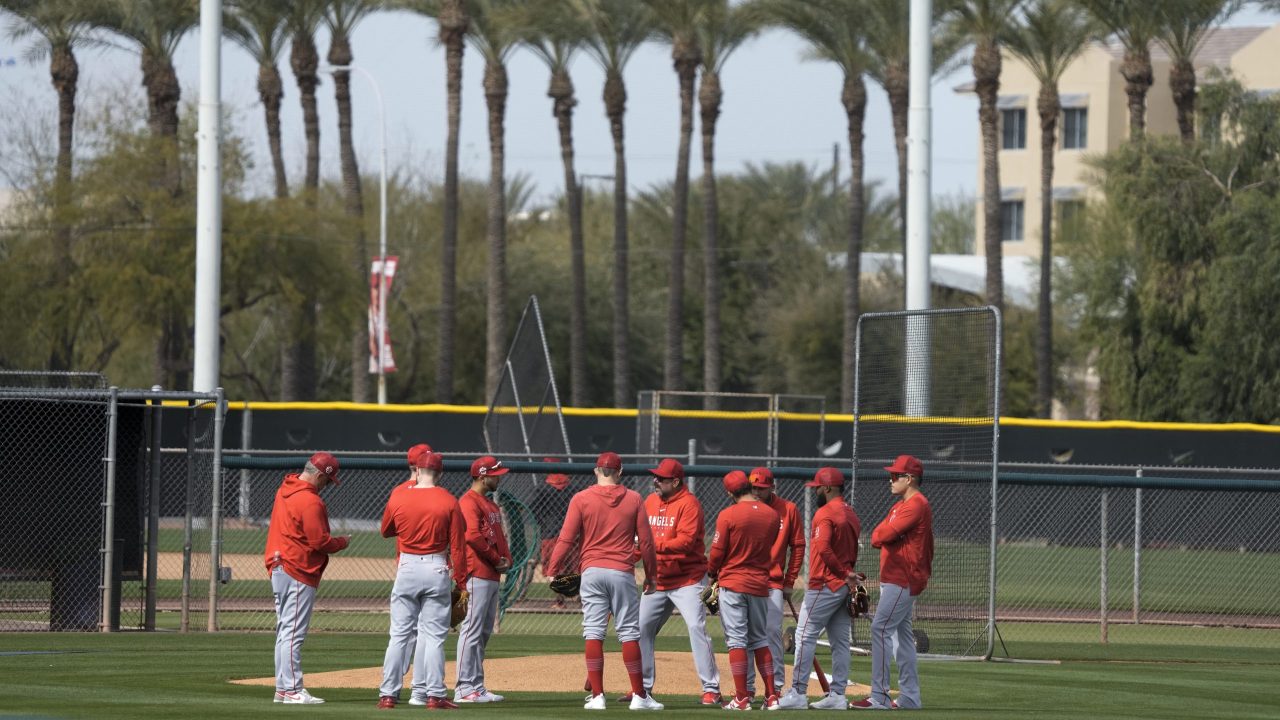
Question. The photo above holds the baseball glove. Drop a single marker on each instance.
(859, 601)
(711, 598)
(566, 585)
(460, 599)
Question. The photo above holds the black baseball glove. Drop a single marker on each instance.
(859, 601)
(566, 584)
(711, 598)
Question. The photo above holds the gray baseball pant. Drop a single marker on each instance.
(655, 610)
(420, 598)
(605, 591)
(744, 618)
(823, 609)
(294, 601)
(773, 631)
(473, 635)
(891, 627)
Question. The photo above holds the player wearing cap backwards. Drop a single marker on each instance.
(782, 576)
(676, 519)
(905, 539)
(298, 549)
(487, 558)
(431, 538)
(740, 560)
(833, 552)
(611, 521)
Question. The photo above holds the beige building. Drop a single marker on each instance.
(1095, 119)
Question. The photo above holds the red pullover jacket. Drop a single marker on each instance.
(298, 536)
(905, 539)
(611, 520)
(486, 542)
(678, 527)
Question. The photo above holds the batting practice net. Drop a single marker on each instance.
(927, 384)
(524, 416)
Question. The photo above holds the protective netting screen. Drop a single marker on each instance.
(927, 385)
(524, 416)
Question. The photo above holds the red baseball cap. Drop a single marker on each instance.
(327, 464)
(761, 477)
(418, 454)
(826, 477)
(907, 465)
(736, 481)
(487, 466)
(669, 468)
(609, 460)
(429, 460)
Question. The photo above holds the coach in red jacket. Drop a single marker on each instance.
(789, 547)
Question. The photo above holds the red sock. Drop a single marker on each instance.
(764, 663)
(595, 666)
(738, 665)
(631, 659)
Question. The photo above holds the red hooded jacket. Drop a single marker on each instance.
(905, 539)
(298, 537)
(678, 538)
(611, 521)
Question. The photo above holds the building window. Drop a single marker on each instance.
(1075, 128)
(1011, 221)
(1013, 129)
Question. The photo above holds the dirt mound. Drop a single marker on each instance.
(555, 673)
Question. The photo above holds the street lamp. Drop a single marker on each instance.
(382, 226)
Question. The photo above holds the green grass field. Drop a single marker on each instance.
(167, 675)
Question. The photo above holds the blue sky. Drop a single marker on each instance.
(777, 107)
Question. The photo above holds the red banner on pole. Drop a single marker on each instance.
(380, 277)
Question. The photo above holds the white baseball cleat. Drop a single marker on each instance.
(414, 700)
(832, 701)
(595, 703)
(793, 701)
(297, 697)
(645, 703)
(479, 696)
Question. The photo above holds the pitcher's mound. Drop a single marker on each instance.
(558, 673)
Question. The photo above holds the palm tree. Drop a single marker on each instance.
(1183, 27)
(985, 23)
(258, 26)
(1135, 25)
(834, 32)
(342, 17)
(62, 28)
(555, 32)
(304, 18)
(723, 29)
(1050, 35)
(677, 22)
(618, 29)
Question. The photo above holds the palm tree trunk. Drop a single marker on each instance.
(298, 361)
(897, 84)
(304, 60)
(1049, 108)
(854, 98)
(561, 91)
(453, 28)
(709, 98)
(1182, 82)
(1136, 70)
(353, 205)
(163, 94)
(271, 92)
(615, 103)
(986, 74)
(64, 71)
(686, 64)
(495, 94)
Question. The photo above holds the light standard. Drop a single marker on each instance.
(382, 226)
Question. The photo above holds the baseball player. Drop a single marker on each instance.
(298, 549)
(676, 519)
(905, 539)
(782, 576)
(431, 538)
(833, 553)
(610, 520)
(487, 558)
(740, 560)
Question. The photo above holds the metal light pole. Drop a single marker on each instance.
(919, 156)
(208, 201)
(382, 226)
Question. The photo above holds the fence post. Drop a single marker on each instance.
(1102, 620)
(693, 460)
(153, 515)
(108, 574)
(1137, 551)
(186, 518)
(215, 515)
(246, 443)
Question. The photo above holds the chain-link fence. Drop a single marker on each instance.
(80, 531)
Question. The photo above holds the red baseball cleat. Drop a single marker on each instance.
(439, 703)
(387, 702)
(711, 698)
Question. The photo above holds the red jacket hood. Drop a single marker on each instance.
(294, 484)
(611, 494)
